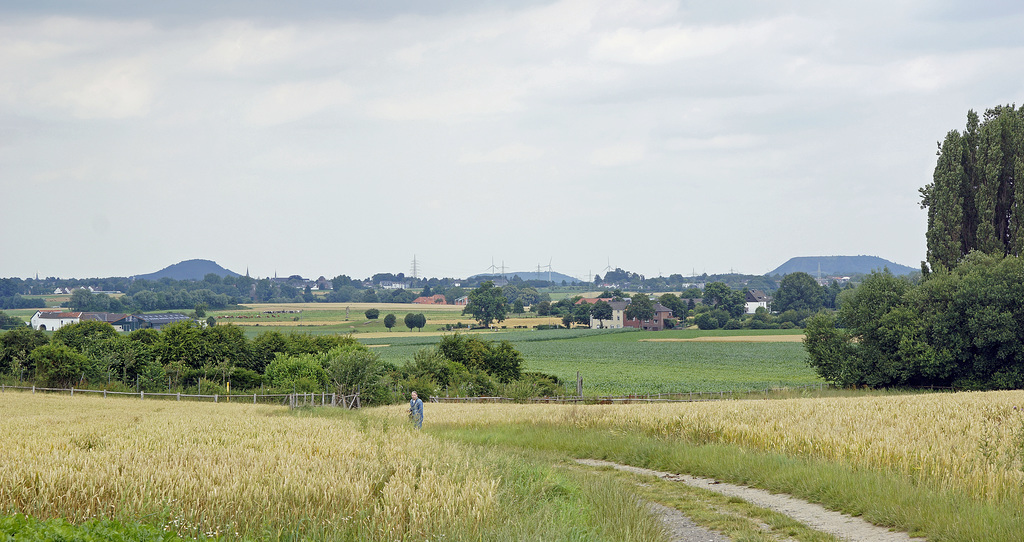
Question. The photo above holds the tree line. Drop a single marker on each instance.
(189, 357)
(959, 324)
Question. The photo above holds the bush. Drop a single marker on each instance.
(357, 369)
(60, 366)
(705, 321)
(245, 379)
(292, 372)
(372, 314)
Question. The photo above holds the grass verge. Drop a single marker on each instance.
(883, 498)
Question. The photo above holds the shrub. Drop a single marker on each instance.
(372, 314)
(60, 366)
(705, 321)
(286, 372)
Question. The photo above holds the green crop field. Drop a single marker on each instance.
(626, 362)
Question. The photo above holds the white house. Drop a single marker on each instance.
(52, 320)
(755, 299)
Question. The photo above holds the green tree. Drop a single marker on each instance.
(602, 310)
(58, 365)
(718, 295)
(355, 368)
(79, 336)
(81, 300)
(487, 304)
(705, 321)
(974, 198)
(640, 308)
(301, 372)
(800, 292)
(17, 345)
(372, 314)
(389, 321)
(885, 337)
(517, 307)
(543, 308)
(10, 322)
(502, 361)
(675, 304)
(581, 314)
(828, 349)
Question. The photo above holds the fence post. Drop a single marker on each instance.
(33, 388)
(104, 394)
(215, 398)
(72, 391)
(179, 396)
(254, 398)
(142, 395)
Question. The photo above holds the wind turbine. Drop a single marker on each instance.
(549, 268)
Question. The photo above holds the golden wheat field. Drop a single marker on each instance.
(967, 441)
(236, 469)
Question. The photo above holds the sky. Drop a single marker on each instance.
(323, 138)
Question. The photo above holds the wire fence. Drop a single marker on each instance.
(291, 400)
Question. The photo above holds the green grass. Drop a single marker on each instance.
(18, 527)
(882, 498)
(614, 362)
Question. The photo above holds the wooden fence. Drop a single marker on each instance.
(292, 400)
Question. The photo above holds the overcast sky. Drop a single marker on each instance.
(316, 139)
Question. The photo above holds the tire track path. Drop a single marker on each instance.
(817, 517)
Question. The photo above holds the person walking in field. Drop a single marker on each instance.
(416, 411)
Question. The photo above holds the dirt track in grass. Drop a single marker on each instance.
(813, 515)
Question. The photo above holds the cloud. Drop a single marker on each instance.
(619, 154)
(289, 102)
(59, 65)
(515, 152)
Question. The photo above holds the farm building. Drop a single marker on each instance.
(464, 300)
(157, 321)
(52, 320)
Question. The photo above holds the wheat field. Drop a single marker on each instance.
(237, 470)
(972, 442)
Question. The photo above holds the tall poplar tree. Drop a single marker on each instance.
(974, 197)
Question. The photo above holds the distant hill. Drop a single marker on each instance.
(839, 265)
(532, 275)
(189, 270)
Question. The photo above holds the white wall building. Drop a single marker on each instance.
(53, 320)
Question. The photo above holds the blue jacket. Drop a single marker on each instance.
(416, 407)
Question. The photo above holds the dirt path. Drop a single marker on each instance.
(813, 515)
(681, 528)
